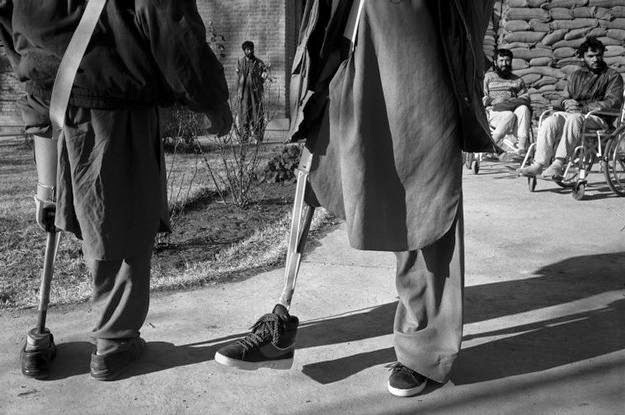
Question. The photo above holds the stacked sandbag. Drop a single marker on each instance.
(544, 36)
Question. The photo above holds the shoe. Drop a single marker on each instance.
(554, 171)
(531, 171)
(508, 145)
(37, 353)
(271, 343)
(110, 366)
(405, 382)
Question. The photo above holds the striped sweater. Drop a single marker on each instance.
(498, 89)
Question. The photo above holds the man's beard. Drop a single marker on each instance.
(503, 72)
(601, 66)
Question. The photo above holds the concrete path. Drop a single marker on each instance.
(544, 333)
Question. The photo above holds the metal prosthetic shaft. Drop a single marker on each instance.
(300, 225)
(52, 243)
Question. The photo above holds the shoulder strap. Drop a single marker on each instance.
(71, 61)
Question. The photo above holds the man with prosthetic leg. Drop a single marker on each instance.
(384, 131)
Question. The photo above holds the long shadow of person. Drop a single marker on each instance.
(569, 280)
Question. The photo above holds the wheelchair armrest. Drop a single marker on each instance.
(612, 113)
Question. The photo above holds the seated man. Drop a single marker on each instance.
(594, 87)
(507, 103)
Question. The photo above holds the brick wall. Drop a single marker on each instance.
(264, 23)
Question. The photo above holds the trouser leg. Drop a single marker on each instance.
(523, 121)
(121, 296)
(502, 122)
(572, 132)
(428, 320)
(548, 134)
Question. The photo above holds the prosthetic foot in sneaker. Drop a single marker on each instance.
(271, 343)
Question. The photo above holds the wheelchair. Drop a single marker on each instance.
(606, 147)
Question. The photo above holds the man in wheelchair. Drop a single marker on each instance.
(507, 104)
(590, 90)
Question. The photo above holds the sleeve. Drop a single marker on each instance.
(486, 97)
(177, 38)
(6, 32)
(613, 97)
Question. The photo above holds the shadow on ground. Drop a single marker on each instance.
(530, 347)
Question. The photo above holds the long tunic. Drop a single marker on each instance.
(387, 158)
(250, 90)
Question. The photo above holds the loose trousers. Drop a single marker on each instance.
(428, 321)
(121, 294)
(515, 122)
(565, 130)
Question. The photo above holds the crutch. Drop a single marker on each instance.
(300, 225)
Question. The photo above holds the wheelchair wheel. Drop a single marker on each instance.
(475, 166)
(614, 165)
(578, 191)
(531, 183)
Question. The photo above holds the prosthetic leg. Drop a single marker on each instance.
(300, 225)
(39, 348)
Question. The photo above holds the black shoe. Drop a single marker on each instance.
(405, 381)
(271, 343)
(36, 362)
(111, 365)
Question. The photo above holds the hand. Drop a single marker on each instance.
(487, 101)
(593, 107)
(571, 105)
(220, 121)
(45, 213)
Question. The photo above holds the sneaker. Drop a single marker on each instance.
(531, 171)
(271, 343)
(554, 171)
(110, 366)
(404, 381)
(37, 353)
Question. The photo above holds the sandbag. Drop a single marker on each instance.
(539, 26)
(569, 69)
(515, 45)
(542, 61)
(605, 3)
(517, 13)
(597, 32)
(584, 12)
(615, 60)
(604, 14)
(560, 13)
(516, 26)
(552, 95)
(526, 37)
(573, 43)
(517, 3)
(569, 4)
(568, 61)
(563, 53)
(553, 37)
(614, 24)
(541, 46)
(610, 41)
(573, 24)
(530, 78)
(547, 88)
(618, 11)
(613, 50)
(618, 34)
(561, 84)
(519, 64)
(546, 80)
(577, 33)
(529, 54)
(538, 98)
(542, 70)
(536, 3)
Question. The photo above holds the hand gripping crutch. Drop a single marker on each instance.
(300, 225)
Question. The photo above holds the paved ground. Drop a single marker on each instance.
(544, 333)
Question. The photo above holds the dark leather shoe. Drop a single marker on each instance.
(111, 365)
(36, 362)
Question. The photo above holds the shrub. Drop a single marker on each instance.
(281, 167)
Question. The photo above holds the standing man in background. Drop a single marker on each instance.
(252, 73)
(103, 177)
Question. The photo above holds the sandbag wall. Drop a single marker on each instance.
(544, 36)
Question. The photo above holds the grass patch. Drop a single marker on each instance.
(211, 242)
